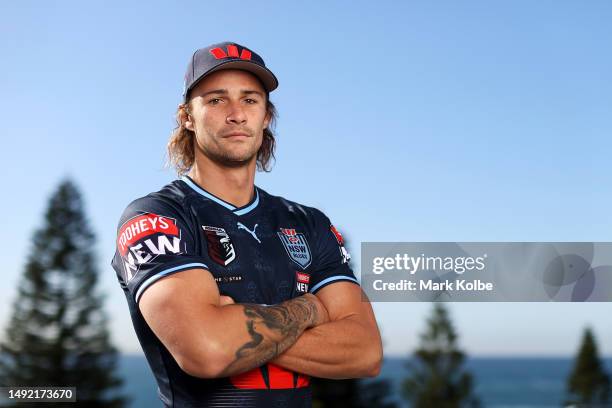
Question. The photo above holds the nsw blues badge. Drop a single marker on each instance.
(296, 246)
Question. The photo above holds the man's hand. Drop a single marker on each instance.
(322, 313)
(225, 300)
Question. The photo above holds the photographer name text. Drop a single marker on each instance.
(431, 285)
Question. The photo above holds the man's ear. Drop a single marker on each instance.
(267, 120)
(185, 118)
(189, 123)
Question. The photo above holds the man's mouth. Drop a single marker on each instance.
(236, 135)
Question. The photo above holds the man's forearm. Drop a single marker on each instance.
(270, 330)
(344, 348)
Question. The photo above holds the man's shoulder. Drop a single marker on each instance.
(168, 201)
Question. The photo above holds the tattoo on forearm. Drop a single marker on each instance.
(283, 324)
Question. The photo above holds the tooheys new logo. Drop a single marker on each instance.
(302, 280)
(144, 237)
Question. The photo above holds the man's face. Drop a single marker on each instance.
(228, 116)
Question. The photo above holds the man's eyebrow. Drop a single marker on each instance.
(225, 92)
(215, 91)
(250, 92)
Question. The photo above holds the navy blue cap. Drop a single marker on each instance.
(226, 55)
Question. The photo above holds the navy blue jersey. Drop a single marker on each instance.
(266, 252)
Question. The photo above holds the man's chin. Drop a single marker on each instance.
(234, 161)
(230, 157)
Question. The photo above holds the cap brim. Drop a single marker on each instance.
(266, 76)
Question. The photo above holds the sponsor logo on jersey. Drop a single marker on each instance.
(275, 378)
(228, 279)
(302, 281)
(220, 247)
(144, 237)
(296, 246)
(343, 252)
(244, 227)
(337, 234)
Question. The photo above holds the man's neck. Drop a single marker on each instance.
(234, 185)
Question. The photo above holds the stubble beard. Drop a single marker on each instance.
(226, 157)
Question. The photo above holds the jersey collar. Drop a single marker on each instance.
(236, 210)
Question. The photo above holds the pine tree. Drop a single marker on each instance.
(57, 334)
(588, 385)
(437, 378)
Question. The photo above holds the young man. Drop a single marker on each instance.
(237, 296)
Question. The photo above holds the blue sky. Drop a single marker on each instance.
(419, 121)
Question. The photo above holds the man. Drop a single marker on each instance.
(237, 296)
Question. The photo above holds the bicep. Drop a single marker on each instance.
(176, 308)
(347, 300)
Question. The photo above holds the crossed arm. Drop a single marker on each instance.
(210, 337)
(347, 346)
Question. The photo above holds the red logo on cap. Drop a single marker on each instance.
(232, 51)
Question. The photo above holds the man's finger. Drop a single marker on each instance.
(225, 300)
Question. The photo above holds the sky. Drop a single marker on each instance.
(402, 121)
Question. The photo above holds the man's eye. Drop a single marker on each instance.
(214, 101)
(250, 101)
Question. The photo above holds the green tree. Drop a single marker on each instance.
(588, 384)
(57, 334)
(437, 378)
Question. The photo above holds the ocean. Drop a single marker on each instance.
(508, 382)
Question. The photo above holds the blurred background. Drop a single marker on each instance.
(411, 121)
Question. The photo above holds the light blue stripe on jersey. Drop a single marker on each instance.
(161, 274)
(250, 207)
(331, 279)
(207, 194)
(221, 202)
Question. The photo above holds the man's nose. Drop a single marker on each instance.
(236, 113)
